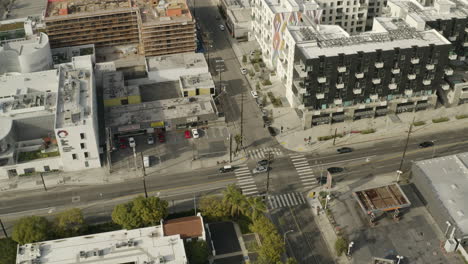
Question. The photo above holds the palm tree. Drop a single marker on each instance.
(256, 207)
(234, 200)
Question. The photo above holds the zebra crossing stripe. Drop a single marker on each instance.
(294, 198)
(309, 183)
(244, 177)
(303, 168)
(299, 163)
(246, 181)
(290, 196)
(305, 172)
(298, 159)
(249, 188)
(302, 198)
(273, 203)
(252, 192)
(296, 156)
(308, 179)
(242, 173)
(242, 169)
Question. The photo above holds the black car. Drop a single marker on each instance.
(272, 131)
(426, 144)
(262, 162)
(335, 170)
(344, 150)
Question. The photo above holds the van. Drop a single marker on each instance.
(146, 161)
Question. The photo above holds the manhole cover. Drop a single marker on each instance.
(75, 199)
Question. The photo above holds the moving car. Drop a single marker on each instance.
(221, 27)
(131, 142)
(226, 168)
(150, 140)
(426, 144)
(195, 133)
(243, 71)
(262, 162)
(254, 94)
(187, 134)
(335, 170)
(344, 150)
(259, 169)
(271, 131)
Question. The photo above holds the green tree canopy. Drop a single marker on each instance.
(197, 252)
(256, 207)
(30, 229)
(124, 216)
(70, 223)
(140, 212)
(7, 251)
(234, 200)
(213, 207)
(272, 244)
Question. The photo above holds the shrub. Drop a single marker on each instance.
(256, 67)
(368, 131)
(440, 120)
(341, 244)
(275, 101)
(244, 58)
(266, 82)
(257, 85)
(262, 64)
(323, 138)
(419, 123)
(251, 73)
(461, 116)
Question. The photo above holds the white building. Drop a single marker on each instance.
(170, 67)
(136, 246)
(238, 17)
(48, 120)
(26, 55)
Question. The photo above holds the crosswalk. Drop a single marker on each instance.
(285, 200)
(304, 170)
(263, 153)
(245, 180)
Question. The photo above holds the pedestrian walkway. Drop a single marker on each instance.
(304, 170)
(263, 153)
(245, 180)
(285, 200)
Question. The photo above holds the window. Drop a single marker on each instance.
(82, 145)
(82, 135)
(86, 164)
(86, 155)
(74, 157)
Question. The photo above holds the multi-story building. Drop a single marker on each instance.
(238, 17)
(158, 27)
(49, 120)
(449, 17)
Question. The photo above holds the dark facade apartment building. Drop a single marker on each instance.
(357, 81)
(455, 30)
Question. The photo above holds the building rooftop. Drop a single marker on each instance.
(113, 85)
(388, 33)
(58, 9)
(16, 84)
(136, 246)
(382, 198)
(293, 5)
(442, 9)
(449, 178)
(460, 73)
(165, 11)
(161, 110)
(240, 15)
(187, 227)
(24, 8)
(203, 80)
(25, 46)
(75, 93)
(181, 60)
(65, 54)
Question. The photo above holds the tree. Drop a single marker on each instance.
(124, 216)
(238, 140)
(30, 229)
(256, 207)
(70, 223)
(213, 207)
(197, 252)
(291, 261)
(234, 200)
(341, 244)
(244, 58)
(7, 251)
(272, 246)
(150, 210)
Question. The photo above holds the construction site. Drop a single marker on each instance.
(156, 27)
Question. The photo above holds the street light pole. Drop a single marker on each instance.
(144, 174)
(43, 182)
(3, 228)
(399, 258)
(433, 148)
(285, 233)
(406, 145)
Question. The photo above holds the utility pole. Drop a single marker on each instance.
(242, 120)
(230, 148)
(3, 228)
(43, 182)
(334, 138)
(144, 174)
(195, 203)
(406, 145)
(268, 174)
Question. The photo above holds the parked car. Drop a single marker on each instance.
(131, 142)
(254, 94)
(272, 131)
(333, 170)
(221, 27)
(344, 150)
(150, 140)
(146, 161)
(243, 71)
(264, 112)
(187, 134)
(195, 133)
(226, 168)
(259, 103)
(426, 144)
(259, 169)
(122, 143)
(266, 120)
(262, 162)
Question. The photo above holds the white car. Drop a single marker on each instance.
(254, 94)
(195, 133)
(259, 169)
(221, 27)
(243, 71)
(150, 140)
(146, 161)
(131, 142)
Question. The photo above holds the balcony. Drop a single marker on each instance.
(445, 86)
(359, 75)
(320, 95)
(321, 79)
(453, 38)
(465, 44)
(430, 66)
(338, 101)
(448, 71)
(379, 65)
(374, 97)
(300, 69)
(411, 76)
(415, 60)
(376, 80)
(339, 85)
(357, 91)
(426, 81)
(408, 92)
(341, 69)
(396, 70)
(452, 55)
(392, 86)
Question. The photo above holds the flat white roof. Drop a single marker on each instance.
(136, 246)
(22, 83)
(175, 61)
(449, 178)
(457, 9)
(203, 80)
(26, 46)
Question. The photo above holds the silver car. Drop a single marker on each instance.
(259, 169)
